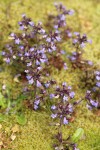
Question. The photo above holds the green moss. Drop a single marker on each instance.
(37, 134)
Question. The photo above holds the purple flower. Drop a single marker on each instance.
(72, 94)
(71, 12)
(3, 53)
(29, 64)
(17, 41)
(47, 85)
(65, 66)
(28, 77)
(65, 98)
(95, 104)
(62, 17)
(90, 63)
(98, 84)
(37, 102)
(51, 96)
(12, 34)
(27, 54)
(58, 38)
(62, 52)
(65, 121)
(32, 49)
(76, 33)
(48, 39)
(75, 41)
(36, 107)
(89, 41)
(22, 27)
(38, 84)
(69, 34)
(98, 78)
(56, 26)
(82, 45)
(64, 84)
(31, 23)
(21, 47)
(53, 47)
(53, 116)
(53, 107)
(31, 81)
(7, 60)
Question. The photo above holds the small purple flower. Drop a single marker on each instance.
(62, 52)
(17, 41)
(71, 12)
(51, 96)
(98, 78)
(53, 107)
(56, 26)
(31, 81)
(29, 64)
(27, 54)
(53, 47)
(89, 41)
(22, 27)
(53, 116)
(48, 39)
(38, 84)
(64, 84)
(47, 85)
(36, 107)
(95, 104)
(21, 47)
(90, 63)
(69, 34)
(76, 33)
(3, 53)
(65, 66)
(75, 41)
(98, 84)
(28, 77)
(58, 38)
(32, 49)
(31, 23)
(12, 34)
(7, 60)
(65, 98)
(65, 121)
(82, 45)
(72, 94)
(62, 17)
(37, 102)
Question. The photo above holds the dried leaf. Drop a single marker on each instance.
(15, 129)
(13, 137)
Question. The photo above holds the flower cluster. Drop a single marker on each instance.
(76, 56)
(33, 47)
(93, 95)
(63, 109)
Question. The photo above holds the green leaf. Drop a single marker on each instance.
(21, 120)
(2, 118)
(2, 101)
(77, 135)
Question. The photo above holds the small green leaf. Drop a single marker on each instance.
(21, 120)
(2, 118)
(2, 101)
(77, 135)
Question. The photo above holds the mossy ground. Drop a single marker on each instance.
(37, 134)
